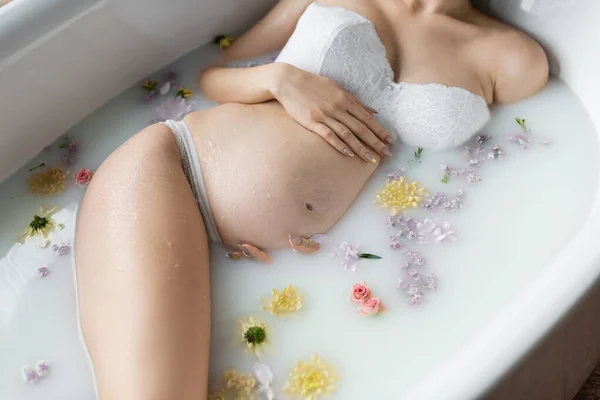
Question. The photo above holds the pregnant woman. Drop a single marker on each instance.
(282, 158)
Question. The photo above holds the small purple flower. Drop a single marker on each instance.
(429, 282)
(29, 375)
(64, 249)
(396, 174)
(473, 178)
(174, 108)
(55, 247)
(170, 77)
(523, 141)
(495, 153)
(389, 222)
(402, 284)
(481, 139)
(416, 258)
(395, 244)
(43, 272)
(414, 295)
(42, 368)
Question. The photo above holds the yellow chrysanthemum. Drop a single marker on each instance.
(50, 182)
(220, 395)
(242, 384)
(41, 225)
(309, 380)
(254, 334)
(237, 386)
(398, 195)
(285, 302)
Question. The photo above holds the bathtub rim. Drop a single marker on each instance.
(503, 345)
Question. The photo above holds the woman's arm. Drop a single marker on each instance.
(256, 84)
(318, 103)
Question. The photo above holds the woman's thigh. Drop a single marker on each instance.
(143, 274)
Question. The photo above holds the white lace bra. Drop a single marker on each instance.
(344, 46)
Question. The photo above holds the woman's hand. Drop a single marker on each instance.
(321, 105)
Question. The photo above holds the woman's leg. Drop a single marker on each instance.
(143, 274)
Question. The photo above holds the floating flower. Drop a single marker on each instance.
(43, 272)
(29, 374)
(360, 292)
(184, 93)
(224, 41)
(473, 178)
(414, 295)
(284, 302)
(496, 153)
(254, 334)
(309, 380)
(521, 140)
(173, 108)
(83, 177)
(429, 232)
(439, 201)
(41, 224)
(399, 195)
(71, 147)
(62, 250)
(49, 182)
(150, 86)
(220, 395)
(351, 255)
(264, 377)
(42, 368)
(371, 306)
(242, 384)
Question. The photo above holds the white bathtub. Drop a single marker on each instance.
(64, 58)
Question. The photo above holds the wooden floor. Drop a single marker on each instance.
(591, 388)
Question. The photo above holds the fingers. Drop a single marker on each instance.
(332, 138)
(365, 115)
(362, 132)
(303, 245)
(350, 140)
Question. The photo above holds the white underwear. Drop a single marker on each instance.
(193, 173)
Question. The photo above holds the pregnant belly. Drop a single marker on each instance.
(266, 176)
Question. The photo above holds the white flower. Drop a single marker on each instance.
(174, 108)
(429, 232)
(264, 377)
(350, 254)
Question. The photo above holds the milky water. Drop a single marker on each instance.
(513, 224)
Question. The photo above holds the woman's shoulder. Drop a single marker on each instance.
(517, 63)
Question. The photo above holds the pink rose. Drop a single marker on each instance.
(83, 177)
(371, 307)
(360, 292)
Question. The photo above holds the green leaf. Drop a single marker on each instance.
(445, 179)
(369, 256)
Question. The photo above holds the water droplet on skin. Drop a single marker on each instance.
(254, 192)
(176, 266)
(211, 144)
(222, 217)
(268, 195)
(169, 244)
